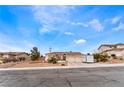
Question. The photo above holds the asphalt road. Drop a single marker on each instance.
(76, 77)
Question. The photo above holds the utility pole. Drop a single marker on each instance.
(50, 49)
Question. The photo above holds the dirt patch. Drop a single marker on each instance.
(29, 64)
(7, 65)
(114, 61)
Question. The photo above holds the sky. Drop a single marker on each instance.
(63, 28)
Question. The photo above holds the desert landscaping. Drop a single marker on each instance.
(53, 59)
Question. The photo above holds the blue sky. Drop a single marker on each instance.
(64, 28)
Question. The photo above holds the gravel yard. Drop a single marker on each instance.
(27, 64)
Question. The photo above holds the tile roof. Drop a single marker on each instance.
(116, 49)
(70, 53)
(12, 53)
(111, 45)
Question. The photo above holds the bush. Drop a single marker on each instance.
(101, 57)
(121, 58)
(104, 58)
(62, 64)
(14, 60)
(113, 56)
(21, 58)
(97, 57)
(52, 60)
(5, 60)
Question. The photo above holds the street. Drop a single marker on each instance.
(70, 77)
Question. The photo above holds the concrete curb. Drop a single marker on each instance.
(64, 67)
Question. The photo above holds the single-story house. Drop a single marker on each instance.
(13, 55)
(65, 56)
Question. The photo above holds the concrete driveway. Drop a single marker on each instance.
(66, 77)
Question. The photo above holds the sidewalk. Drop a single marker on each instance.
(94, 65)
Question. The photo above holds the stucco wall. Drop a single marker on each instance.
(118, 53)
(69, 57)
(23, 55)
(74, 58)
(120, 46)
(104, 48)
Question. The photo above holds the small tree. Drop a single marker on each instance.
(35, 54)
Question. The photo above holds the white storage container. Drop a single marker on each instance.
(89, 59)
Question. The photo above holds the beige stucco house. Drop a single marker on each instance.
(66, 56)
(7, 54)
(117, 49)
(13, 54)
(22, 54)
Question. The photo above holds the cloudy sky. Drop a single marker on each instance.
(64, 28)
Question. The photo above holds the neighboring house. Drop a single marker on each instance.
(22, 55)
(117, 49)
(65, 56)
(118, 52)
(13, 54)
(7, 54)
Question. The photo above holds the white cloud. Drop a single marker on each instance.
(10, 48)
(69, 33)
(78, 23)
(96, 25)
(119, 27)
(45, 28)
(80, 41)
(115, 19)
(8, 43)
(49, 16)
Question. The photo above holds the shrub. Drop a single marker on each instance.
(97, 57)
(14, 60)
(52, 60)
(21, 58)
(62, 64)
(121, 58)
(100, 57)
(104, 58)
(113, 56)
(5, 60)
